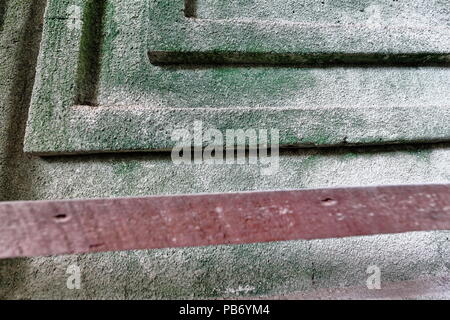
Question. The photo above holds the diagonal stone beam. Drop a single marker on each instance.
(44, 228)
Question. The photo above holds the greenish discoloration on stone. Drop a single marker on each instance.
(137, 105)
(347, 12)
(219, 271)
(366, 31)
(123, 168)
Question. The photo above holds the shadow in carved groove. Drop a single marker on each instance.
(90, 53)
(214, 58)
(190, 8)
(17, 174)
(3, 6)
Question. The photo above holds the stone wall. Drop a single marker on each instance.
(223, 271)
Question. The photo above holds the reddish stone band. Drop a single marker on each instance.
(42, 228)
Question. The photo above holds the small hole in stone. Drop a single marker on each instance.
(61, 217)
(329, 202)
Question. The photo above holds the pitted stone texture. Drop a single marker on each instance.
(137, 105)
(388, 12)
(230, 271)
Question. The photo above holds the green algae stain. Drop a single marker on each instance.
(188, 86)
(109, 33)
(421, 154)
(351, 155)
(125, 168)
(310, 161)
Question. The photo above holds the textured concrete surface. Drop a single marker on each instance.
(221, 271)
(409, 12)
(335, 27)
(128, 103)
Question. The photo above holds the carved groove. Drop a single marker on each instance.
(190, 8)
(90, 52)
(300, 60)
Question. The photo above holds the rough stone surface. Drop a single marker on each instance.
(388, 12)
(105, 95)
(337, 28)
(221, 271)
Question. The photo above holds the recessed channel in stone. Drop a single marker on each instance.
(303, 33)
(387, 12)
